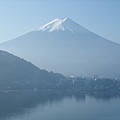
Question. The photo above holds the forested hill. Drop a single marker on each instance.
(16, 73)
(19, 74)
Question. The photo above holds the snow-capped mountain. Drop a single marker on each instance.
(63, 24)
(66, 47)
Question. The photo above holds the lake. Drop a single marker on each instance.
(59, 105)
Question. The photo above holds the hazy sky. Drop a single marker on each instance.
(18, 17)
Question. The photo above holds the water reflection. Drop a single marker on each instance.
(18, 103)
(104, 95)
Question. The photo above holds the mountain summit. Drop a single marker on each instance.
(64, 46)
(62, 24)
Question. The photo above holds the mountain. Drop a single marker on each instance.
(16, 73)
(66, 47)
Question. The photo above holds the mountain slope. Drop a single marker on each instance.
(66, 47)
(63, 24)
(20, 74)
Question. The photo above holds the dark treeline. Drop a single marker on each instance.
(18, 74)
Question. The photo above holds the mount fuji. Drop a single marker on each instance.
(66, 47)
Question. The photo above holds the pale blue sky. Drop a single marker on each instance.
(18, 17)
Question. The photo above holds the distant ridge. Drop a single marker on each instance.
(66, 47)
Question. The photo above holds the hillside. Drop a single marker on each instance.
(16, 73)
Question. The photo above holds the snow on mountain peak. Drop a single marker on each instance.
(62, 24)
(56, 24)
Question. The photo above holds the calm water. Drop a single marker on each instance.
(59, 105)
